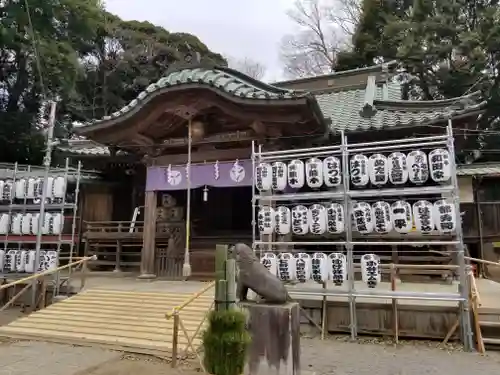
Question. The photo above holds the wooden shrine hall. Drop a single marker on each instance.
(192, 131)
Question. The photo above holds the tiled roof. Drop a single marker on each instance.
(480, 169)
(83, 146)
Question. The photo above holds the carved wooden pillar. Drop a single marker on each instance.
(149, 237)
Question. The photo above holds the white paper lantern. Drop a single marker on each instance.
(265, 220)
(20, 191)
(42, 266)
(300, 223)
(59, 188)
(358, 170)
(286, 267)
(49, 189)
(332, 172)
(378, 169)
(398, 168)
(440, 165)
(2, 260)
(38, 190)
(362, 217)
(263, 177)
(21, 260)
(49, 261)
(47, 223)
(296, 174)
(320, 267)
(316, 217)
(270, 261)
(58, 223)
(423, 215)
(283, 220)
(26, 224)
(31, 184)
(445, 217)
(4, 223)
(401, 215)
(30, 262)
(335, 218)
(16, 223)
(279, 176)
(382, 217)
(370, 270)
(418, 167)
(303, 267)
(314, 173)
(11, 260)
(7, 190)
(338, 268)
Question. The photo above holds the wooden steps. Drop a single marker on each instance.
(120, 320)
(489, 323)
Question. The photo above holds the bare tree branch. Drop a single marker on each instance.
(324, 29)
(248, 66)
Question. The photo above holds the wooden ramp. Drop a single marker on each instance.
(120, 320)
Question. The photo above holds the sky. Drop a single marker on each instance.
(234, 28)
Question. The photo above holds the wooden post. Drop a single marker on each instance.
(118, 256)
(82, 278)
(231, 283)
(43, 294)
(324, 307)
(149, 237)
(175, 339)
(395, 320)
(220, 277)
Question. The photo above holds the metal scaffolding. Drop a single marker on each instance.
(344, 194)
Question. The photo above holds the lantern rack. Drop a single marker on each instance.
(346, 196)
(65, 237)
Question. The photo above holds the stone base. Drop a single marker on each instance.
(275, 331)
(146, 276)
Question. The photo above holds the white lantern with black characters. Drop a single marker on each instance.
(59, 188)
(20, 190)
(265, 220)
(314, 173)
(401, 216)
(335, 218)
(362, 217)
(303, 267)
(440, 165)
(6, 190)
(378, 170)
(332, 172)
(320, 267)
(338, 268)
(16, 227)
(4, 223)
(30, 188)
(445, 218)
(382, 217)
(57, 224)
(296, 174)
(21, 261)
(286, 267)
(30, 261)
(398, 168)
(300, 224)
(263, 176)
(419, 167)
(370, 270)
(2, 260)
(316, 217)
(26, 224)
(423, 216)
(270, 261)
(11, 260)
(283, 220)
(279, 176)
(358, 170)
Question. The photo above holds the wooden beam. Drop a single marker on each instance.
(236, 136)
(149, 237)
(208, 156)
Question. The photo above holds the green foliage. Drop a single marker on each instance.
(225, 343)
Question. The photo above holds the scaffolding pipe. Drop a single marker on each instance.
(186, 267)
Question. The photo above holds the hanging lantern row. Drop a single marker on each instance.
(32, 189)
(24, 261)
(320, 267)
(381, 217)
(378, 169)
(27, 224)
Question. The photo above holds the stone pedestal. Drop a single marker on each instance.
(275, 330)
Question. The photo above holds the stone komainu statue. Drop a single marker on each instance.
(253, 275)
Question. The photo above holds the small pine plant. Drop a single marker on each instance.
(225, 343)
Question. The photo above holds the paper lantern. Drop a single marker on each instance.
(314, 173)
(338, 268)
(401, 215)
(265, 219)
(286, 267)
(362, 217)
(30, 262)
(445, 217)
(263, 177)
(382, 217)
(335, 218)
(49, 189)
(4, 223)
(423, 216)
(7, 190)
(300, 223)
(42, 266)
(332, 172)
(316, 218)
(26, 224)
(2, 260)
(440, 165)
(283, 220)
(378, 170)
(59, 188)
(418, 167)
(398, 168)
(370, 270)
(320, 268)
(21, 260)
(296, 174)
(57, 223)
(47, 223)
(49, 261)
(16, 224)
(270, 261)
(303, 267)
(38, 189)
(20, 190)
(358, 170)
(11, 260)
(279, 176)
(31, 184)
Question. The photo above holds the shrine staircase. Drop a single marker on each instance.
(118, 320)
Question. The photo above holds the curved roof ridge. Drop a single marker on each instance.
(458, 100)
